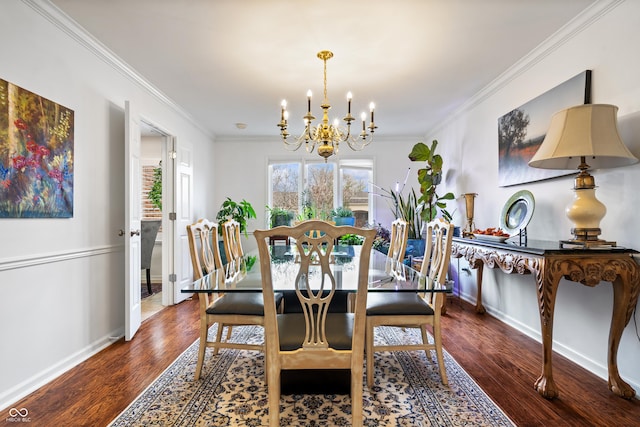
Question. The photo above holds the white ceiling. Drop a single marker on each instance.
(231, 61)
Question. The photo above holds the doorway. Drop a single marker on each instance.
(153, 144)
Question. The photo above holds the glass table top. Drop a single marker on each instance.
(244, 276)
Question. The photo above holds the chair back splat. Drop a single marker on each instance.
(397, 246)
(317, 338)
(438, 252)
(393, 267)
(232, 244)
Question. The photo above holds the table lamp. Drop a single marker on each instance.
(584, 137)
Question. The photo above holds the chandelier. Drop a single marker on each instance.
(327, 137)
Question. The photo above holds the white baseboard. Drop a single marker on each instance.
(19, 391)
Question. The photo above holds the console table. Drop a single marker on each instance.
(548, 263)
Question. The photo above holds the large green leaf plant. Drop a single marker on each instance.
(430, 176)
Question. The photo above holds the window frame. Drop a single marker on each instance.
(362, 163)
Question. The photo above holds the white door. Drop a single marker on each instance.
(179, 197)
(133, 208)
(184, 216)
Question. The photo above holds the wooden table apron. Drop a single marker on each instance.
(549, 265)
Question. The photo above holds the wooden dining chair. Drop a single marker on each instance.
(417, 310)
(395, 255)
(317, 338)
(231, 237)
(244, 308)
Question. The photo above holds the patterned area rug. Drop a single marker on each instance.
(232, 392)
(144, 291)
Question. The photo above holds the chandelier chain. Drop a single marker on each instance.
(326, 100)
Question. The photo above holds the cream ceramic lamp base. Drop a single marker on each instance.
(585, 213)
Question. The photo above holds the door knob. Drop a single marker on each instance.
(121, 232)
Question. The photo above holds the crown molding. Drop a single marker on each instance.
(574, 27)
(70, 27)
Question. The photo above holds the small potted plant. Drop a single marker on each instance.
(240, 211)
(383, 238)
(343, 216)
(155, 193)
(279, 216)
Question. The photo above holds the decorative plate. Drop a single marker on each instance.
(517, 212)
(490, 238)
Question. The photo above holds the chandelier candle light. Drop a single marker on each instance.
(327, 137)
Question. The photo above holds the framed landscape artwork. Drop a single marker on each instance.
(36, 155)
(521, 131)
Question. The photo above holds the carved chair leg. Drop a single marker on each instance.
(437, 339)
(218, 337)
(204, 329)
(369, 353)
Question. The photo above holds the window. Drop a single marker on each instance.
(355, 190)
(313, 189)
(284, 186)
(319, 194)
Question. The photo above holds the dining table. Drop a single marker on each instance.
(244, 275)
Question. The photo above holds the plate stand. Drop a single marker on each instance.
(522, 236)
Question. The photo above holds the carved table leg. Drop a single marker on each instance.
(479, 307)
(625, 297)
(547, 279)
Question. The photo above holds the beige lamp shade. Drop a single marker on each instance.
(589, 130)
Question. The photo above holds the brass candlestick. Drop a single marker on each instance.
(469, 227)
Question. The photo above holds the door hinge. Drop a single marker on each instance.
(173, 154)
(173, 278)
(172, 216)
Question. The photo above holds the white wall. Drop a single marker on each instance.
(61, 280)
(607, 46)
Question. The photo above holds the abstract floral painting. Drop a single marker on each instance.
(36, 155)
(521, 131)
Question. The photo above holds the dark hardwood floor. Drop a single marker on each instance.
(504, 362)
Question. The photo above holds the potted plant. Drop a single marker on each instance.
(383, 238)
(155, 193)
(343, 216)
(279, 216)
(239, 211)
(429, 177)
(408, 209)
(307, 212)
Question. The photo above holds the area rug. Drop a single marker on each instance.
(155, 288)
(232, 392)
